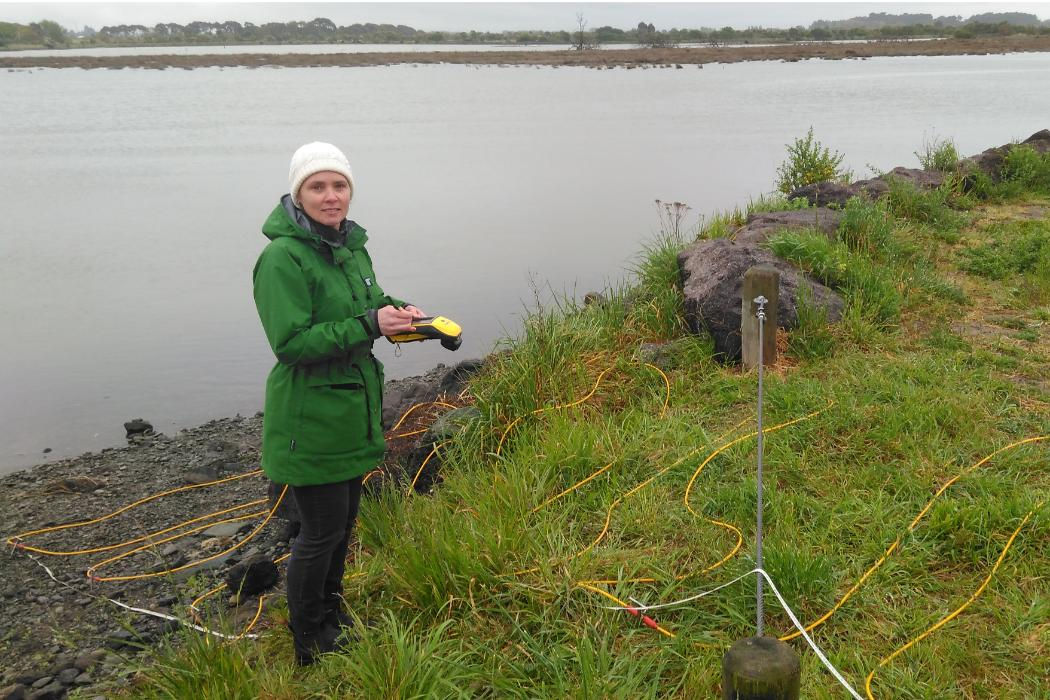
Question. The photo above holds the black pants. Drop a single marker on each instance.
(315, 569)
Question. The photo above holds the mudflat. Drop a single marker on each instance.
(622, 58)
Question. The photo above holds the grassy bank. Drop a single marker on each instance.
(489, 588)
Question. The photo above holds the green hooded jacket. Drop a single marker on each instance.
(324, 397)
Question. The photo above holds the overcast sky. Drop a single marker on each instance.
(491, 16)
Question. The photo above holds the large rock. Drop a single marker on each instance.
(823, 194)
(251, 577)
(760, 226)
(922, 179)
(712, 275)
(990, 162)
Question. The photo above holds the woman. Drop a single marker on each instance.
(321, 309)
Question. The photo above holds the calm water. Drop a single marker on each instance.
(134, 199)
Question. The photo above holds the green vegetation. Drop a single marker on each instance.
(940, 155)
(808, 161)
(322, 30)
(475, 590)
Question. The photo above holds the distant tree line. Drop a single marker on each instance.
(324, 31)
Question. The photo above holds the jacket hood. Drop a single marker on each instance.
(288, 220)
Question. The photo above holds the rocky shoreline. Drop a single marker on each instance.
(620, 58)
(69, 632)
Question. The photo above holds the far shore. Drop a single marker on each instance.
(625, 58)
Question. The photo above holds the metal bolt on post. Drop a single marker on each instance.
(761, 314)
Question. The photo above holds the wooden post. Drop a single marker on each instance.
(760, 280)
(761, 668)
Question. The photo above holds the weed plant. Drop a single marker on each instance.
(474, 591)
(939, 154)
(808, 162)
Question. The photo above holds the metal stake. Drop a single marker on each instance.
(761, 314)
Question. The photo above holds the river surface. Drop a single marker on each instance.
(133, 201)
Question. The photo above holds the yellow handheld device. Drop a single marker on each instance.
(432, 328)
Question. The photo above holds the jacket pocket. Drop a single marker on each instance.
(334, 419)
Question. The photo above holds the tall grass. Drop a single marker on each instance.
(871, 288)
(474, 591)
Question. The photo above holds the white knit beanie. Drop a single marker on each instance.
(315, 158)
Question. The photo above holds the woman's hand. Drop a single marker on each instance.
(416, 313)
(393, 320)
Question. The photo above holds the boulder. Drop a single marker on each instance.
(251, 577)
(712, 275)
(400, 395)
(922, 179)
(823, 194)
(138, 426)
(990, 162)
(455, 380)
(760, 226)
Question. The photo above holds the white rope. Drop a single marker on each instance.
(794, 620)
(141, 611)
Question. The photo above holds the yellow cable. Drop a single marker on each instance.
(537, 411)
(126, 543)
(421, 466)
(667, 382)
(152, 545)
(572, 488)
(90, 572)
(955, 613)
(14, 539)
(414, 407)
(911, 527)
(258, 613)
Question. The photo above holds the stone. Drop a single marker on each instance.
(41, 682)
(119, 639)
(398, 398)
(456, 378)
(60, 663)
(657, 354)
(712, 272)
(922, 179)
(184, 574)
(74, 484)
(223, 530)
(201, 475)
(15, 691)
(251, 577)
(67, 676)
(762, 225)
(138, 426)
(83, 679)
(822, 194)
(52, 691)
(87, 659)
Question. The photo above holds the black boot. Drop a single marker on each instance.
(310, 645)
(338, 622)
